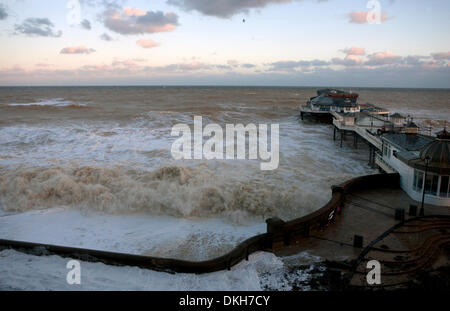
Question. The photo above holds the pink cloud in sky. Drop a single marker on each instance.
(77, 50)
(354, 58)
(134, 12)
(147, 44)
(383, 58)
(355, 51)
(348, 61)
(361, 17)
(383, 55)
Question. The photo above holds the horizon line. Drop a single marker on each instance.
(224, 85)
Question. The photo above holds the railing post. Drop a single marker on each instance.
(413, 210)
(307, 230)
(400, 214)
(357, 241)
(229, 264)
(287, 238)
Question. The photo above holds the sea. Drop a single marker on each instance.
(92, 167)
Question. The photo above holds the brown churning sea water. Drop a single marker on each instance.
(108, 149)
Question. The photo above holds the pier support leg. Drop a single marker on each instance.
(371, 156)
(334, 133)
(355, 140)
(342, 137)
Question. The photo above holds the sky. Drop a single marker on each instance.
(359, 43)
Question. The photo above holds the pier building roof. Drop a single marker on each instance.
(417, 150)
(397, 115)
(437, 153)
(407, 142)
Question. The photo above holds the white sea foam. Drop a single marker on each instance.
(55, 102)
(142, 234)
(26, 272)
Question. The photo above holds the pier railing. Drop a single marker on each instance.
(383, 164)
(278, 233)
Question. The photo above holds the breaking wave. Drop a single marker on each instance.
(173, 190)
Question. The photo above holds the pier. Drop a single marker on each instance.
(413, 242)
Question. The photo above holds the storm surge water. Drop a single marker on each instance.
(105, 152)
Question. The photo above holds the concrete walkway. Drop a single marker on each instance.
(367, 213)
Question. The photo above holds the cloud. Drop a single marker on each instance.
(86, 24)
(204, 74)
(441, 56)
(353, 57)
(193, 66)
(3, 13)
(131, 21)
(106, 37)
(414, 60)
(43, 65)
(354, 51)
(232, 62)
(221, 8)
(284, 66)
(295, 65)
(223, 67)
(126, 64)
(108, 4)
(40, 27)
(134, 12)
(383, 58)
(361, 17)
(147, 44)
(77, 50)
(348, 61)
(357, 58)
(407, 71)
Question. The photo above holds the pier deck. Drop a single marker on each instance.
(369, 213)
(366, 129)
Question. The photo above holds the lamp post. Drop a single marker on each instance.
(427, 160)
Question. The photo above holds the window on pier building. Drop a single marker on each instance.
(445, 190)
(418, 180)
(431, 184)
